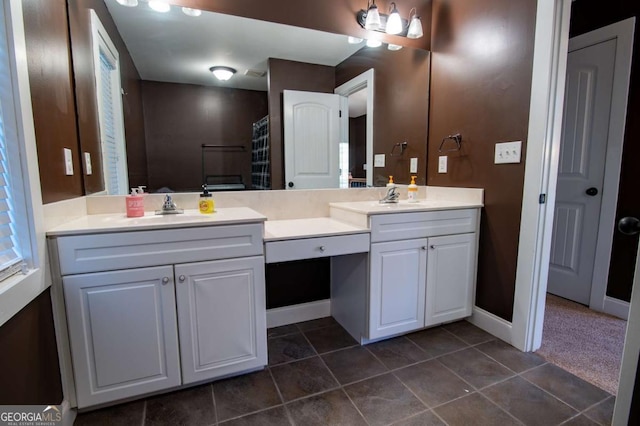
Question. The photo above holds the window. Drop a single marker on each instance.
(15, 246)
(108, 90)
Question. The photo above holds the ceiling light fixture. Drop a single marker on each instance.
(128, 3)
(159, 5)
(372, 19)
(222, 73)
(191, 12)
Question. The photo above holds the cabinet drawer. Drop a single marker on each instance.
(308, 248)
(119, 250)
(404, 226)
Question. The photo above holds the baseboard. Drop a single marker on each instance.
(297, 313)
(491, 324)
(68, 413)
(616, 307)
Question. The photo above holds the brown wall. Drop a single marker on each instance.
(482, 90)
(290, 75)
(179, 118)
(54, 110)
(358, 146)
(29, 357)
(335, 16)
(401, 106)
(588, 15)
(89, 133)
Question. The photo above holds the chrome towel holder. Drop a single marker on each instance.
(457, 138)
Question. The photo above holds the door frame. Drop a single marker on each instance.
(363, 81)
(545, 126)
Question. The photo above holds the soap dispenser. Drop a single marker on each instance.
(135, 203)
(206, 204)
(412, 191)
(390, 183)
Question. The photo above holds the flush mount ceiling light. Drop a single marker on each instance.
(222, 73)
(128, 3)
(393, 23)
(191, 12)
(159, 5)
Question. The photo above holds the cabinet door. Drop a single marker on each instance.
(123, 333)
(451, 275)
(221, 317)
(397, 287)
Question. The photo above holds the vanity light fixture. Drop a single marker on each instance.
(128, 3)
(159, 5)
(394, 46)
(354, 40)
(222, 73)
(191, 12)
(393, 23)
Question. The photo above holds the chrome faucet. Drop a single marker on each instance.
(169, 207)
(392, 196)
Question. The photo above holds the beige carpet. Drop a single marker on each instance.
(584, 342)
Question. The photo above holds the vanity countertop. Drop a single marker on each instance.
(374, 207)
(119, 222)
(277, 230)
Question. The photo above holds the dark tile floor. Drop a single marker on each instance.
(318, 375)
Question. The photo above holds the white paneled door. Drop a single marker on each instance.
(311, 140)
(581, 170)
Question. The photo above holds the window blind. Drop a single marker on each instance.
(108, 124)
(10, 256)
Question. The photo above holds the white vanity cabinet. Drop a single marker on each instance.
(422, 270)
(157, 309)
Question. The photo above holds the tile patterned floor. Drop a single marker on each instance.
(318, 375)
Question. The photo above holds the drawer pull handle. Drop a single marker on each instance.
(322, 248)
(181, 278)
(165, 280)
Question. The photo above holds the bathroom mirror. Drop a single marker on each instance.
(183, 126)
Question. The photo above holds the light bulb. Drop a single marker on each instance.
(372, 21)
(394, 22)
(394, 46)
(128, 3)
(354, 40)
(415, 28)
(191, 12)
(159, 5)
(373, 43)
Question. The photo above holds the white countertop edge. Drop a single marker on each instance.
(308, 228)
(118, 222)
(371, 208)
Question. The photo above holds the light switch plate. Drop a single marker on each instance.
(68, 162)
(87, 164)
(413, 165)
(442, 164)
(508, 152)
(364, 166)
(378, 160)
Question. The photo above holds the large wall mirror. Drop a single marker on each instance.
(184, 127)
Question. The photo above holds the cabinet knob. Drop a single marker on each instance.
(181, 278)
(322, 248)
(432, 247)
(424, 247)
(165, 280)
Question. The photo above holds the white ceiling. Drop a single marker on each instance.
(177, 48)
(358, 103)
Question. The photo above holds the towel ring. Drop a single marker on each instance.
(457, 138)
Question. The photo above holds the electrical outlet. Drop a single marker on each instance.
(87, 164)
(378, 160)
(508, 152)
(68, 162)
(413, 165)
(442, 164)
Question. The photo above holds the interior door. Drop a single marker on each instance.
(581, 170)
(311, 140)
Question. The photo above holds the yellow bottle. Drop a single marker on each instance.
(206, 204)
(412, 191)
